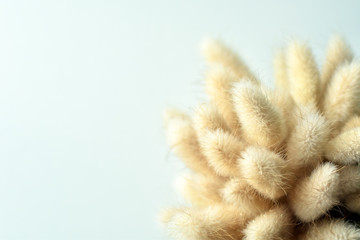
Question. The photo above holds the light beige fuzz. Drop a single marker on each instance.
(331, 230)
(268, 163)
(274, 224)
(265, 171)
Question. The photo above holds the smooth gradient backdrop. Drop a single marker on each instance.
(82, 88)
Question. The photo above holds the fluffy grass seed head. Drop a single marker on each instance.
(270, 163)
(265, 171)
(275, 224)
(331, 230)
(314, 195)
(261, 121)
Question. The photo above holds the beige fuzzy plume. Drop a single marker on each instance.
(267, 163)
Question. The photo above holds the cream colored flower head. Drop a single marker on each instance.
(270, 163)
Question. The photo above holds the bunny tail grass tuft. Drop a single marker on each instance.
(266, 163)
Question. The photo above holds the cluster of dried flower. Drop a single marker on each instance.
(270, 163)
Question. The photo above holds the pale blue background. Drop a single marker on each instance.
(82, 88)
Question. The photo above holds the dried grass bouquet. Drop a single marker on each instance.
(267, 163)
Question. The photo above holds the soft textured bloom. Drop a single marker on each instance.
(270, 163)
